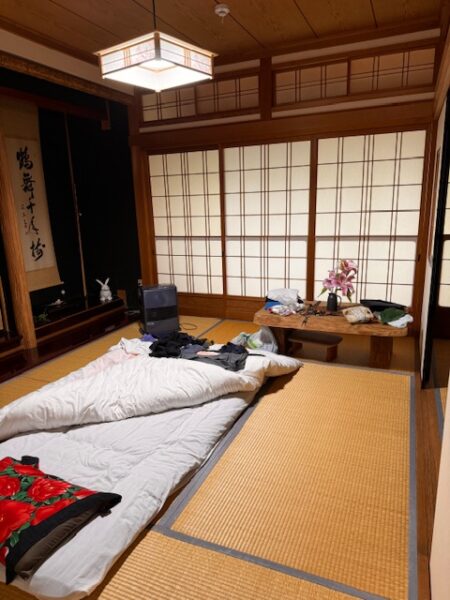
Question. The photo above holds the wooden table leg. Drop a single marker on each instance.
(281, 335)
(380, 352)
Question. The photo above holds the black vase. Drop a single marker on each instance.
(332, 302)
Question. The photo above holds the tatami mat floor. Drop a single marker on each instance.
(353, 350)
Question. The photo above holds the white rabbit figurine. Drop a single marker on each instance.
(105, 291)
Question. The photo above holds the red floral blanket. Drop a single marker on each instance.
(32, 504)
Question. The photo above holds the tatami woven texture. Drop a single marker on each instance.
(160, 568)
(318, 480)
(227, 330)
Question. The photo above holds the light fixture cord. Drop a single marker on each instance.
(154, 15)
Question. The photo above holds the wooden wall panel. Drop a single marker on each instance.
(225, 307)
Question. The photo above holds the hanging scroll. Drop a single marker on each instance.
(20, 127)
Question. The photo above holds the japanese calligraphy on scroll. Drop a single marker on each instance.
(20, 127)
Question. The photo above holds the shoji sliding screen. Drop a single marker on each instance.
(368, 205)
(444, 287)
(187, 219)
(266, 208)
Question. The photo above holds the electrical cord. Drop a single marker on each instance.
(188, 326)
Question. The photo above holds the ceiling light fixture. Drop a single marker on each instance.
(222, 10)
(156, 61)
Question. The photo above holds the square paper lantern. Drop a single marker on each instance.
(156, 61)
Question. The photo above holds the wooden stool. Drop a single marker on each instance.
(331, 341)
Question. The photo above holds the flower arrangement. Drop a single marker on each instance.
(341, 279)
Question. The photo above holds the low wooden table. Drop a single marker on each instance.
(381, 336)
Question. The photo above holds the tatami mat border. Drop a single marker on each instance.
(359, 367)
(219, 322)
(166, 521)
(164, 525)
(439, 411)
(263, 562)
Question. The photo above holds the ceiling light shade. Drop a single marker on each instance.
(156, 61)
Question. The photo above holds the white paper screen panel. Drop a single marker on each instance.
(311, 83)
(368, 205)
(399, 70)
(447, 211)
(412, 68)
(224, 95)
(266, 208)
(444, 286)
(187, 219)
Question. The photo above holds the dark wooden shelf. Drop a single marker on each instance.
(63, 334)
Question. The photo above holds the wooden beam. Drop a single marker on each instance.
(346, 122)
(443, 78)
(311, 247)
(265, 89)
(22, 65)
(14, 256)
(52, 104)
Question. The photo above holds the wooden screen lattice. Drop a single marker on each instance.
(400, 70)
(266, 208)
(368, 206)
(221, 96)
(187, 220)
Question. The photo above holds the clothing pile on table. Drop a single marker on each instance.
(283, 301)
(389, 313)
(181, 345)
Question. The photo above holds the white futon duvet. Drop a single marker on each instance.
(128, 424)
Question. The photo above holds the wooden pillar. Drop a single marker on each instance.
(144, 215)
(142, 197)
(14, 256)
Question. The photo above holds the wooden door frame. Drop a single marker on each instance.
(438, 245)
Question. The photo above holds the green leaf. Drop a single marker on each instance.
(24, 527)
(10, 471)
(28, 480)
(14, 538)
(20, 496)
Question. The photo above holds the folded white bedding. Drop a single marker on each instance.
(145, 425)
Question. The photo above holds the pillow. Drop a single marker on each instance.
(278, 364)
(39, 512)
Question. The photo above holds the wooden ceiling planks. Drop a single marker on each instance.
(254, 28)
(57, 23)
(392, 12)
(271, 23)
(125, 19)
(329, 17)
(196, 19)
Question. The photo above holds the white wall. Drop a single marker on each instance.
(440, 548)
